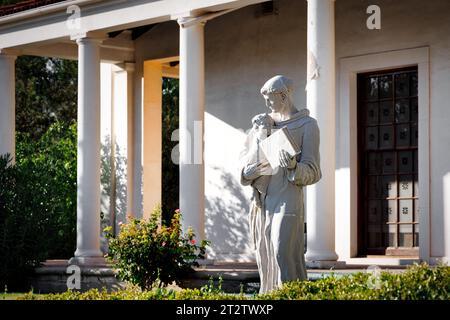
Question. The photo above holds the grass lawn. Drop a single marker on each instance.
(10, 296)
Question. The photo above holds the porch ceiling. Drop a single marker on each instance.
(113, 50)
(44, 30)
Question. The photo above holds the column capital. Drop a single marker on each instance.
(88, 37)
(9, 53)
(189, 19)
(185, 22)
(126, 66)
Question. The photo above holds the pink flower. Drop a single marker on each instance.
(177, 211)
(193, 241)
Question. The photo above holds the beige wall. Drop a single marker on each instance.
(152, 148)
(244, 49)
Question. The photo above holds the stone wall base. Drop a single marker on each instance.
(58, 276)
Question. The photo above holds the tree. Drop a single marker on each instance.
(8, 2)
(46, 92)
(170, 170)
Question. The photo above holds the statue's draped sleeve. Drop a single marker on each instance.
(247, 154)
(308, 170)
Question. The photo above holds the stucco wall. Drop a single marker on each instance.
(243, 49)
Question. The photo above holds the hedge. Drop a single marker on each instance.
(418, 282)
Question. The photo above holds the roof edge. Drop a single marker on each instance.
(42, 10)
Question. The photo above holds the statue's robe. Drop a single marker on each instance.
(277, 210)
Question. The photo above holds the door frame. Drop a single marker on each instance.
(347, 144)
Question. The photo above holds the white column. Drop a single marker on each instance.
(88, 174)
(446, 219)
(321, 102)
(7, 105)
(192, 108)
(138, 139)
(122, 139)
(129, 68)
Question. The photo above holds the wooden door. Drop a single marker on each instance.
(388, 162)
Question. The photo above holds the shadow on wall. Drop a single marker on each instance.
(226, 218)
(114, 188)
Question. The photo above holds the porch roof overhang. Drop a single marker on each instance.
(44, 30)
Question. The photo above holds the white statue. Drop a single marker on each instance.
(277, 210)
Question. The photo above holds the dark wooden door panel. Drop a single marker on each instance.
(388, 162)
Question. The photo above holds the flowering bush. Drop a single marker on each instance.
(146, 253)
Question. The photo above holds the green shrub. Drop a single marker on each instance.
(206, 292)
(51, 164)
(146, 253)
(419, 282)
(23, 230)
(135, 293)
(37, 203)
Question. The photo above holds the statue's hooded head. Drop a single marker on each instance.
(278, 85)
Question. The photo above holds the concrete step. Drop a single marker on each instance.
(53, 277)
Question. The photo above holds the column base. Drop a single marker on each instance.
(325, 264)
(88, 261)
(321, 255)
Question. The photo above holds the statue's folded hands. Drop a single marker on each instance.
(255, 170)
(287, 161)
